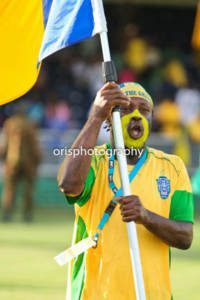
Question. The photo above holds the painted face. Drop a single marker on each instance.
(136, 123)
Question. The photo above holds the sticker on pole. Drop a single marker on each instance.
(67, 255)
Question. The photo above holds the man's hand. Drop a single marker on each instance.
(132, 209)
(174, 233)
(106, 99)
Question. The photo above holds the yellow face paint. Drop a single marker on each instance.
(129, 141)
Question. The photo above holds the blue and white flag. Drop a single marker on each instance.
(71, 21)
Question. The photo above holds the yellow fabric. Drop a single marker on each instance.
(167, 114)
(130, 142)
(182, 147)
(108, 273)
(194, 130)
(196, 30)
(134, 89)
(21, 31)
(176, 73)
(136, 54)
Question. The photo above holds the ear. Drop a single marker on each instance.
(150, 119)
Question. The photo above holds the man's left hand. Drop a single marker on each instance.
(132, 209)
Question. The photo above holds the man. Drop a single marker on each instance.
(161, 203)
(22, 156)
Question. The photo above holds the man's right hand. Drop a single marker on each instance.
(106, 99)
(74, 170)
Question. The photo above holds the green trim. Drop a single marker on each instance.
(167, 159)
(78, 269)
(86, 193)
(89, 182)
(182, 206)
(108, 146)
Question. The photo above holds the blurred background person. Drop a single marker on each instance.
(22, 155)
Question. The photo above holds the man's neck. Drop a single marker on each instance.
(134, 155)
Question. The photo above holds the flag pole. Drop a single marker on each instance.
(109, 74)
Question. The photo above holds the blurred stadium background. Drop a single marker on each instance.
(151, 42)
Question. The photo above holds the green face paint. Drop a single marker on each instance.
(128, 140)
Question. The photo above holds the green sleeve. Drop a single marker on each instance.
(182, 206)
(90, 179)
(85, 195)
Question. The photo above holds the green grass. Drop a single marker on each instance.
(185, 270)
(28, 271)
(27, 268)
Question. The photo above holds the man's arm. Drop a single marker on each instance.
(74, 170)
(175, 233)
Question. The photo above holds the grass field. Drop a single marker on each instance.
(28, 271)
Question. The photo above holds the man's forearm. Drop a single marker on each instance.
(74, 169)
(174, 233)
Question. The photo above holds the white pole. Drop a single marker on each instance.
(131, 227)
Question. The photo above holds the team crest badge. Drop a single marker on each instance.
(163, 184)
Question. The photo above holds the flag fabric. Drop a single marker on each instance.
(22, 28)
(196, 30)
(21, 31)
(70, 22)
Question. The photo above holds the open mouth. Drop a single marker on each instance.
(135, 131)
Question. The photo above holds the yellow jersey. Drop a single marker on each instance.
(105, 272)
